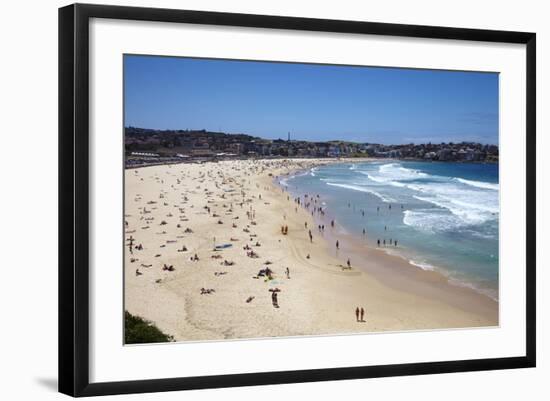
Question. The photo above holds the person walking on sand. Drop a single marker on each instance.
(362, 314)
(274, 299)
(337, 244)
(349, 264)
(131, 244)
(378, 242)
(357, 314)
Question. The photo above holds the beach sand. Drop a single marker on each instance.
(162, 202)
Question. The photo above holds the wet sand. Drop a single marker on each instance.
(220, 204)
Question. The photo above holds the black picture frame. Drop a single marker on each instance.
(74, 198)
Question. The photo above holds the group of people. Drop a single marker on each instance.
(359, 314)
(391, 242)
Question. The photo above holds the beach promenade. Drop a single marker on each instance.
(207, 258)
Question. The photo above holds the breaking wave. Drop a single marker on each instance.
(382, 197)
(455, 202)
(479, 184)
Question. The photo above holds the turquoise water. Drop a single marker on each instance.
(444, 216)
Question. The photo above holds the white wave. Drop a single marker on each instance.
(468, 214)
(383, 181)
(459, 202)
(284, 182)
(431, 220)
(384, 198)
(479, 184)
(472, 206)
(423, 266)
(374, 178)
(394, 172)
(463, 203)
(397, 184)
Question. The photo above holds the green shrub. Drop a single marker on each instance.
(140, 331)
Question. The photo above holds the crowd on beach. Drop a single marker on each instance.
(200, 236)
(232, 194)
(234, 200)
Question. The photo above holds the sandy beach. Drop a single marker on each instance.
(199, 238)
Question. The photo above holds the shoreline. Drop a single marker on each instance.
(358, 243)
(404, 272)
(318, 299)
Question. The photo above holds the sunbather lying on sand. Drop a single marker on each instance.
(252, 254)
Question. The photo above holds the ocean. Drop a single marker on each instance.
(444, 216)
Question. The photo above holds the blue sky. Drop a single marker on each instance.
(313, 102)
